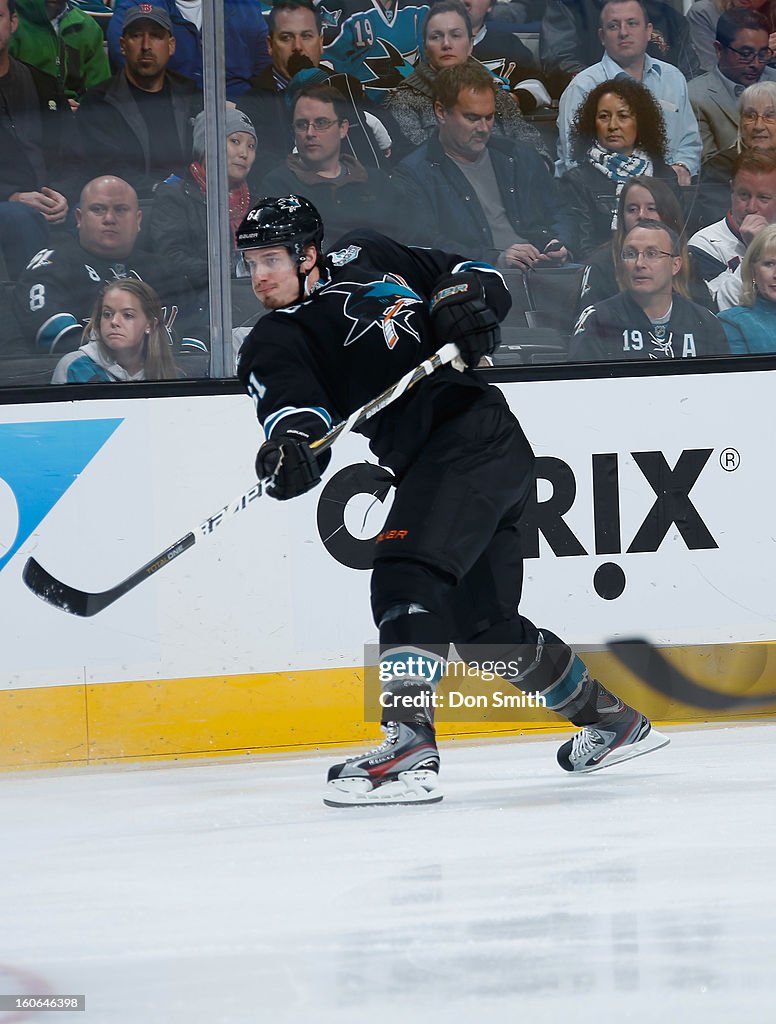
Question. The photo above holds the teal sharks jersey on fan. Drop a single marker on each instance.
(377, 46)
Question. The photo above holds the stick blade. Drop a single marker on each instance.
(56, 593)
(644, 660)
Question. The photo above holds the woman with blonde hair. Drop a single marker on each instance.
(125, 340)
(751, 327)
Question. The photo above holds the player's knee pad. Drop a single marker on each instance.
(400, 581)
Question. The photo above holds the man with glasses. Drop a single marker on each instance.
(717, 250)
(347, 194)
(625, 33)
(742, 59)
(296, 47)
(648, 319)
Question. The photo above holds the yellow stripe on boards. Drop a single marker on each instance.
(294, 711)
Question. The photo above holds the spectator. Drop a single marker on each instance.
(60, 39)
(245, 39)
(702, 17)
(495, 45)
(641, 198)
(570, 39)
(378, 43)
(34, 116)
(751, 327)
(617, 133)
(342, 190)
(717, 250)
(54, 295)
(296, 46)
(756, 119)
(124, 340)
(625, 33)
(178, 219)
(649, 319)
(138, 123)
(742, 57)
(447, 41)
(490, 197)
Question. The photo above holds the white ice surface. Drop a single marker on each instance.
(226, 892)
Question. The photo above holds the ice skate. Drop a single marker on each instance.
(620, 734)
(404, 769)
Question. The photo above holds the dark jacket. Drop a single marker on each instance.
(245, 42)
(38, 145)
(115, 138)
(618, 328)
(591, 200)
(177, 226)
(360, 200)
(452, 217)
(569, 38)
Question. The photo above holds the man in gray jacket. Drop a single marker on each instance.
(742, 60)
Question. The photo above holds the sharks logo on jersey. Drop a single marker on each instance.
(383, 304)
(390, 69)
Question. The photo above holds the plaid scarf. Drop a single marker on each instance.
(239, 198)
(619, 168)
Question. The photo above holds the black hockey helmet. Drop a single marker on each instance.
(291, 221)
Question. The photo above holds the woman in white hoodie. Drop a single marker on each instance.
(125, 340)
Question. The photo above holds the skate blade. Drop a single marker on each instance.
(652, 741)
(418, 787)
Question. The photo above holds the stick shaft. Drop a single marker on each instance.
(84, 603)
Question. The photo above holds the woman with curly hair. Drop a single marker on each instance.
(448, 40)
(641, 199)
(125, 340)
(618, 132)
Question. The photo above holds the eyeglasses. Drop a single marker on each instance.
(747, 55)
(752, 117)
(320, 124)
(650, 255)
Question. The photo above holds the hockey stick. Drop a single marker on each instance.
(645, 661)
(85, 604)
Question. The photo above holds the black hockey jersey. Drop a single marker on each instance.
(56, 292)
(619, 329)
(308, 366)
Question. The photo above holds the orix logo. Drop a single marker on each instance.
(671, 507)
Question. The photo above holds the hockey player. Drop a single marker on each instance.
(448, 565)
(648, 319)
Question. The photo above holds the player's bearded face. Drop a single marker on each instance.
(274, 277)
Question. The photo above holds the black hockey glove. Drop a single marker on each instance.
(460, 313)
(288, 465)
